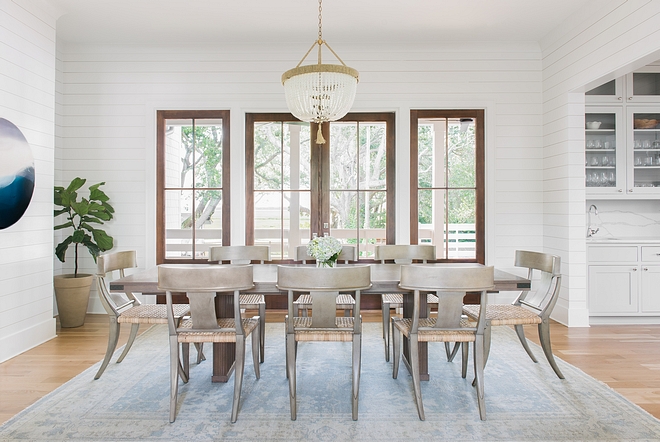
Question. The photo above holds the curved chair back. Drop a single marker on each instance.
(324, 285)
(239, 254)
(450, 283)
(114, 303)
(201, 283)
(405, 253)
(348, 253)
(544, 294)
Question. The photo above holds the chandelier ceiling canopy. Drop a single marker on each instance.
(320, 92)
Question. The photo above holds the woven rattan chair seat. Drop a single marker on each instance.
(151, 314)
(343, 333)
(343, 301)
(225, 334)
(395, 300)
(252, 301)
(504, 314)
(431, 335)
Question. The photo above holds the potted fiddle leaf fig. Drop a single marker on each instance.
(82, 218)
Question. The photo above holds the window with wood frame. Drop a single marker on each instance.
(297, 189)
(192, 184)
(447, 183)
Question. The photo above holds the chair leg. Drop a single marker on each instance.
(488, 333)
(262, 330)
(174, 375)
(544, 337)
(129, 343)
(199, 346)
(465, 347)
(520, 331)
(385, 308)
(113, 337)
(184, 368)
(256, 347)
(451, 352)
(357, 361)
(414, 368)
(291, 370)
(396, 350)
(479, 375)
(238, 376)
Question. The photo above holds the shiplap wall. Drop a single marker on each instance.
(111, 94)
(601, 42)
(27, 99)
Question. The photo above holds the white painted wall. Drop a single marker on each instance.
(603, 41)
(27, 99)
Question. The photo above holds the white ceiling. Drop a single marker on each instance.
(356, 21)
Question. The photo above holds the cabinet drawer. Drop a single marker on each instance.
(651, 253)
(613, 254)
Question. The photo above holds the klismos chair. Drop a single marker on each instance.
(201, 284)
(323, 285)
(530, 307)
(450, 284)
(245, 255)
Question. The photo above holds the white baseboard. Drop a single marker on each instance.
(24, 340)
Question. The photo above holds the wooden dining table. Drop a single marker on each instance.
(384, 279)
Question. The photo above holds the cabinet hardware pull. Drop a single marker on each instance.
(619, 190)
(646, 269)
(635, 269)
(657, 254)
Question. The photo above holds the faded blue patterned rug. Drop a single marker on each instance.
(524, 401)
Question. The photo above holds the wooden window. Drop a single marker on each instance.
(447, 182)
(192, 179)
(297, 188)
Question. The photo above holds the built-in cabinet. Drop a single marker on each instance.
(624, 280)
(622, 139)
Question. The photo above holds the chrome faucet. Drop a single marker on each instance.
(590, 230)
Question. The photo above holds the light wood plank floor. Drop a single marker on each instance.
(627, 358)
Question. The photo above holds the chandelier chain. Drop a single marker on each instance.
(320, 25)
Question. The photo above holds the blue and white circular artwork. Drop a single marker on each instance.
(16, 174)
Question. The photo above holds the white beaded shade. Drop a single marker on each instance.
(320, 93)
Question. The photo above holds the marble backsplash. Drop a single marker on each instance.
(624, 219)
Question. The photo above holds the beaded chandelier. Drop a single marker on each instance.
(320, 92)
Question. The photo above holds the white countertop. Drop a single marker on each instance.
(623, 240)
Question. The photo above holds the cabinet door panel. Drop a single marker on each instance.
(613, 289)
(651, 289)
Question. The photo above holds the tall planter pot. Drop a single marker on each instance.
(72, 296)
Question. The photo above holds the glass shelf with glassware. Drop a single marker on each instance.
(604, 161)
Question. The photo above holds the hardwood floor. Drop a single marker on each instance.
(627, 358)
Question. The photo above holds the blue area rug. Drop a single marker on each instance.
(524, 401)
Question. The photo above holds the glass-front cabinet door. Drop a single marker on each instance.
(605, 151)
(644, 157)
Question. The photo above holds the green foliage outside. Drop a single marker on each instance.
(459, 188)
(203, 155)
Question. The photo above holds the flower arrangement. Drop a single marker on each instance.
(325, 249)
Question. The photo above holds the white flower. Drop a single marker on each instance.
(324, 248)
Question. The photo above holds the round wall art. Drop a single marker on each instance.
(16, 174)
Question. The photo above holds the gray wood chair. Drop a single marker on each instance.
(323, 285)
(344, 302)
(201, 284)
(530, 307)
(246, 255)
(450, 283)
(125, 308)
(401, 254)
